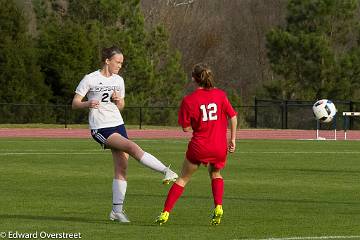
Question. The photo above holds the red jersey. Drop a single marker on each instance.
(207, 112)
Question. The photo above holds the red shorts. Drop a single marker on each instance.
(218, 162)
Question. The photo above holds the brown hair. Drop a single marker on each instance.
(203, 75)
(107, 53)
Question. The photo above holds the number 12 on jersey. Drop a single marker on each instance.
(209, 112)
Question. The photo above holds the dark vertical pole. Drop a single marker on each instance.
(255, 113)
(351, 108)
(282, 113)
(286, 114)
(140, 117)
(66, 115)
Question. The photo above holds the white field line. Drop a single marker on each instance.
(44, 140)
(305, 238)
(48, 150)
(327, 152)
(49, 153)
(90, 140)
(60, 153)
(90, 152)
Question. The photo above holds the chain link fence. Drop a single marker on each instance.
(271, 114)
(290, 114)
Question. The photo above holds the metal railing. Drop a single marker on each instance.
(296, 114)
(274, 114)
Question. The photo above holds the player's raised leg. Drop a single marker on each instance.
(118, 142)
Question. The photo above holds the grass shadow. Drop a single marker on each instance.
(52, 218)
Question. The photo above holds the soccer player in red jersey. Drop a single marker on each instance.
(206, 111)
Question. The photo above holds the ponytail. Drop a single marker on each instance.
(203, 76)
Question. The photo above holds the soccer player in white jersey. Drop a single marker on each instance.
(104, 90)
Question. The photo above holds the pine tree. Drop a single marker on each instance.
(20, 78)
(71, 45)
(306, 54)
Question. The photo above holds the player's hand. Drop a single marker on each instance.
(232, 146)
(93, 103)
(115, 96)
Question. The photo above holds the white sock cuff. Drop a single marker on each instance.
(120, 182)
(119, 190)
(145, 156)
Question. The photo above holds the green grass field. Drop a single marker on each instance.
(273, 189)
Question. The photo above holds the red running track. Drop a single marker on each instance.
(178, 134)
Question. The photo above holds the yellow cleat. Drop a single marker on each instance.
(217, 214)
(162, 218)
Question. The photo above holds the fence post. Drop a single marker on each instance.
(66, 115)
(286, 114)
(282, 104)
(351, 108)
(255, 113)
(140, 117)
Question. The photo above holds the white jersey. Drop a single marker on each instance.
(95, 86)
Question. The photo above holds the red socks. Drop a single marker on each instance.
(217, 185)
(173, 195)
(176, 191)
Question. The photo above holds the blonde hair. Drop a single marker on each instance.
(203, 75)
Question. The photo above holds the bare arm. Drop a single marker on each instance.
(117, 100)
(233, 125)
(77, 103)
(187, 129)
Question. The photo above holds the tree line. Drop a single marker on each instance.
(316, 54)
(44, 62)
(281, 49)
